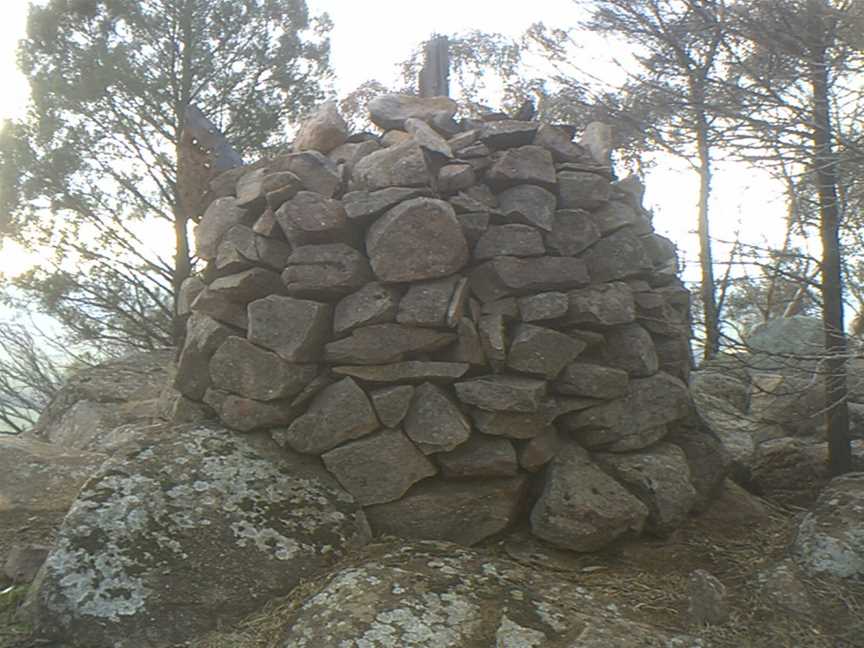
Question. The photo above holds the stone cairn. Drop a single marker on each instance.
(469, 323)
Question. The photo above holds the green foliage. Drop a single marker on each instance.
(91, 174)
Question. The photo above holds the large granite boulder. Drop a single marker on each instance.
(794, 471)
(38, 483)
(430, 594)
(194, 528)
(97, 400)
(830, 539)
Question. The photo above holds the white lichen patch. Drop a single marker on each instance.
(428, 621)
(512, 635)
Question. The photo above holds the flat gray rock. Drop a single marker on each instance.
(509, 240)
(374, 303)
(581, 507)
(203, 336)
(218, 307)
(240, 367)
(529, 205)
(492, 331)
(350, 153)
(310, 218)
(385, 343)
(410, 371)
(615, 215)
(523, 165)
(580, 190)
(378, 468)
(338, 413)
(220, 216)
(507, 133)
(249, 285)
(362, 206)
(294, 328)
(514, 425)
(416, 240)
(631, 348)
(391, 110)
(636, 421)
(573, 232)
(427, 303)
(543, 306)
(511, 276)
(479, 456)
(503, 393)
(660, 477)
(323, 131)
(455, 177)
(401, 165)
(602, 305)
(391, 404)
(427, 138)
(592, 381)
(315, 170)
(464, 512)
(326, 271)
(542, 351)
(559, 143)
(434, 421)
(247, 414)
(620, 255)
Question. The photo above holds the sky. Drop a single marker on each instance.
(370, 38)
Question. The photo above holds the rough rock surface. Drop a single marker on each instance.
(189, 506)
(660, 477)
(38, 483)
(434, 421)
(830, 539)
(582, 508)
(96, 401)
(436, 595)
(465, 294)
(419, 239)
(461, 511)
(339, 413)
(378, 468)
(390, 111)
(241, 367)
(324, 131)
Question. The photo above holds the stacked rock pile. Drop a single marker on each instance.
(464, 320)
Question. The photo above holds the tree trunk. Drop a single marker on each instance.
(182, 259)
(706, 260)
(182, 270)
(837, 412)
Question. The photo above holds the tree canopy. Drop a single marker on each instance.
(91, 173)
